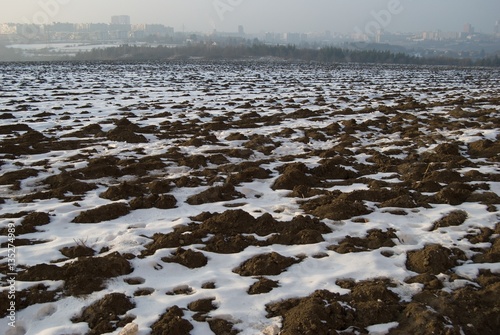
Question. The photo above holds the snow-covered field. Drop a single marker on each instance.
(301, 163)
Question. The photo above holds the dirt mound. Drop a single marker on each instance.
(433, 259)
(202, 307)
(470, 310)
(37, 294)
(330, 169)
(222, 327)
(188, 258)
(337, 209)
(163, 201)
(142, 166)
(79, 250)
(83, 276)
(295, 174)
(31, 221)
(102, 213)
(30, 143)
(125, 131)
(229, 229)
(375, 239)
(105, 315)
(105, 166)
(323, 312)
(454, 218)
(63, 187)
(454, 194)
(123, 191)
(159, 186)
(226, 192)
(484, 149)
(489, 255)
(264, 285)
(271, 264)
(171, 322)
(14, 177)
(90, 130)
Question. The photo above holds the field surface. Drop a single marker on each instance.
(249, 198)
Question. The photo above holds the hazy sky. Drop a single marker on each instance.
(266, 15)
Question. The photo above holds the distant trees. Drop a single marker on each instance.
(9, 54)
(285, 52)
(255, 50)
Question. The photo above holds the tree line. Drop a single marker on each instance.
(209, 51)
(284, 52)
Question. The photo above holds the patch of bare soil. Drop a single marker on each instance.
(265, 265)
(188, 258)
(79, 250)
(492, 253)
(14, 177)
(37, 294)
(229, 229)
(82, 276)
(226, 192)
(31, 221)
(126, 131)
(454, 218)
(374, 240)
(102, 213)
(470, 310)
(202, 307)
(433, 259)
(123, 191)
(172, 322)
(106, 314)
(326, 313)
(62, 186)
(485, 149)
(162, 201)
(264, 285)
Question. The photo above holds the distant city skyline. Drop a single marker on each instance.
(258, 16)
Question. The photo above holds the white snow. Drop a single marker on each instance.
(107, 87)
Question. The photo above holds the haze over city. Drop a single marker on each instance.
(266, 15)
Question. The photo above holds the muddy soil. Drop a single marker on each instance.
(391, 158)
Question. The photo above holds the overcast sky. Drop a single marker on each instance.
(266, 15)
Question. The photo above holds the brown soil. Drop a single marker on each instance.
(433, 259)
(83, 276)
(172, 322)
(264, 285)
(103, 213)
(433, 311)
(374, 240)
(188, 258)
(265, 265)
(422, 169)
(228, 229)
(106, 314)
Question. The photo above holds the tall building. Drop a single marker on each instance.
(497, 28)
(120, 19)
(468, 28)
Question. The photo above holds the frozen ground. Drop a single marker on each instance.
(199, 198)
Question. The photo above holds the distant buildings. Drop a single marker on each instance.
(119, 29)
(497, 28)
(468, 28)
(120, 20)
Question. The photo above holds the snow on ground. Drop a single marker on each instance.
(57, 100)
